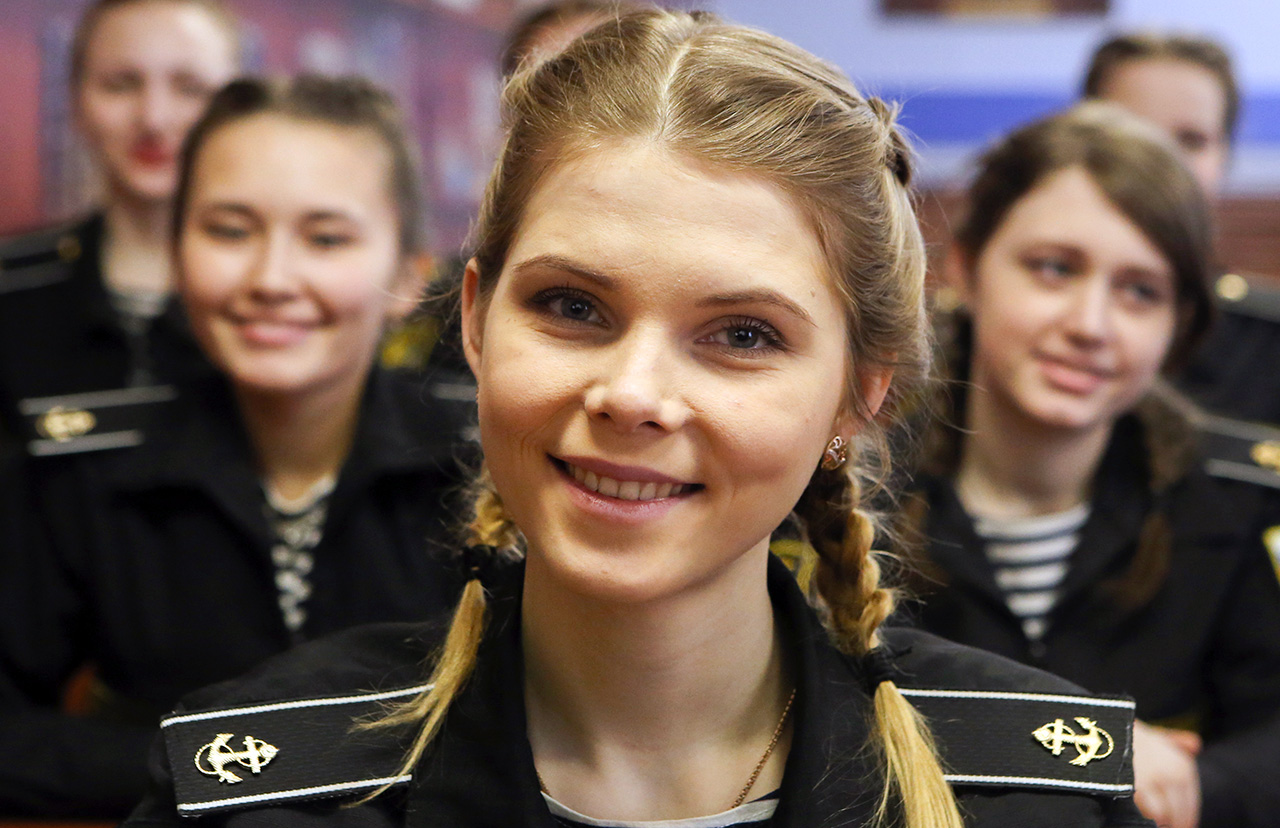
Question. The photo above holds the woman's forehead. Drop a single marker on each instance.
(637, 207)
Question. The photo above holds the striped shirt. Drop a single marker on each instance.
(1029, 558)
(754, 814)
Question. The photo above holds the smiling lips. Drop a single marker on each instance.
(1072, 375)
(625, 489)
(272, 332)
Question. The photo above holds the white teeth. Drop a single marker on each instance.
(624, 489)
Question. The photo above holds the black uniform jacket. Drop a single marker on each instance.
(153, 564)
(1236, 370)
(480, 772)
(59, 333)
(1203, 654)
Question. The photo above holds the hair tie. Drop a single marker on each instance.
(878, 667)
(479, 561)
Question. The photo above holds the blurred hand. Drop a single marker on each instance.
(1166, 781)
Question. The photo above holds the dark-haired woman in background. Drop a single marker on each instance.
(1064, 512)
(86, 308)
(294, 494)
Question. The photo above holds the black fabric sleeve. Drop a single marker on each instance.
(56, 765)
(1240, 765)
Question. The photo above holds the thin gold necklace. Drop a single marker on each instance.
(755, 774)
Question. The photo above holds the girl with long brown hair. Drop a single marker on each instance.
(1072, 512)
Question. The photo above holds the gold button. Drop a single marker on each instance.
(1232, 287)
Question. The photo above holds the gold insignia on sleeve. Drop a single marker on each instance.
(1271, 539)
(62, 424)
(1089, 744)
(1266, 454)
(213, 758)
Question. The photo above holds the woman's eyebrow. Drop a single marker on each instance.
(749, 296)
(553, 262)
(757, 296)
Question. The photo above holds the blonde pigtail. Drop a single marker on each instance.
(491, 528)
(848, 580)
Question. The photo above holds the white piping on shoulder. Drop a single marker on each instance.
(293, 794)
(961, 779)
(1007, 696)
(293, 705)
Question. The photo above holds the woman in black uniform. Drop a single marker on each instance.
(296, 493)
(695, 300)
(1065, 512)
(85, 308)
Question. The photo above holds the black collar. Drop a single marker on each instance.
(1121, 498)
(201, 444)
(480, 770)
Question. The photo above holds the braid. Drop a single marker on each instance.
(848, 580)
(490, 524)
(848, 575)
(492, 527)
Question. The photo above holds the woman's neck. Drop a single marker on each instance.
(299, 440)
(137, 254)
(1012, 465)
(645, 712)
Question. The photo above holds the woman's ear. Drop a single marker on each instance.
(409, 285)
(873, 385)
(472, 316)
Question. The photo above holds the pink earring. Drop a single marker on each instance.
(835, 455)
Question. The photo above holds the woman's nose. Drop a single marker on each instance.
(638, 386)
(1089, 314)
(271, 274)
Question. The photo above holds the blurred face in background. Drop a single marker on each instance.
(289, 254)
(149, 69)
(1185, 100)
(1073, 306)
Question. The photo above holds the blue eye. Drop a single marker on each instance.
(747, 336)
(568, 305)
(572, 307)
(744, 338)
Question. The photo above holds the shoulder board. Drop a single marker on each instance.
(1031, 740)
(282, 752)
(1254, 296)
(92, 420)
(38, 259)
(1241, 450)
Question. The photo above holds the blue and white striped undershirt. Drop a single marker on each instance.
(1029, 556)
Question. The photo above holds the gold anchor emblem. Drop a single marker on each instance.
(1089, 744)
(213, 758)
(62, 424)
